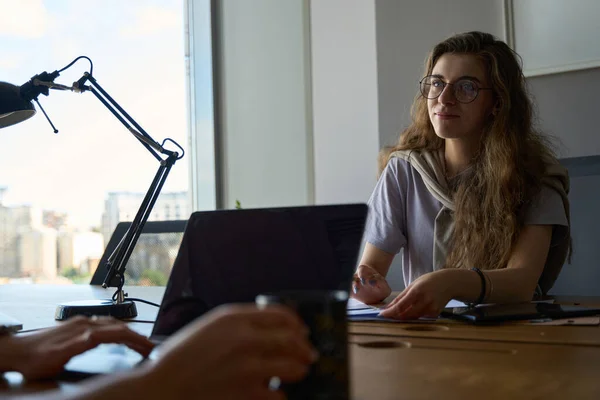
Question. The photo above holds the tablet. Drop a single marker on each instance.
(518, 311)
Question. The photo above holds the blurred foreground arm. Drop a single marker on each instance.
(230, 353)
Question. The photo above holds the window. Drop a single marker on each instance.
(62, 195)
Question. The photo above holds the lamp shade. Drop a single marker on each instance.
(13, 108)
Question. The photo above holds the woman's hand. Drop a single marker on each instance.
(43, 354)
(232, 352)
(369, 286)
(425, 297)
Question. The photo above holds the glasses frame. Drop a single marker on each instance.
(453, 90)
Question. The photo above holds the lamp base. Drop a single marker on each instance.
(88, 308)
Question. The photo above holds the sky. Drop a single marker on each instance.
(137, 47)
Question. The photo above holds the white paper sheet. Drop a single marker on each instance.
(354, 304)
(358, 308)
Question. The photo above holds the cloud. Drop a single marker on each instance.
(152, 20)
(23, 18)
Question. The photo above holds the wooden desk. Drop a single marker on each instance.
(566, 335)
(386, 362)
(454, 330)
(421, 368)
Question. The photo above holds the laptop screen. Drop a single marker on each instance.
(231, 256)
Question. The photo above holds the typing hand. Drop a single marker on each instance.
(369, 286)
(43, 354)
(232, 352)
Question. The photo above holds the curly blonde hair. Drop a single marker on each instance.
(508, 168)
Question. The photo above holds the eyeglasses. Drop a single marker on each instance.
(465, 90)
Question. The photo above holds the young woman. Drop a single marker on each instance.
(471, 192)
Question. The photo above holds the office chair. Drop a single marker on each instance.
(153, 256)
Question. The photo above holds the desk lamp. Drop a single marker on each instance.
(16, 106)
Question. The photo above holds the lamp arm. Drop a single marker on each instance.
(151, 145)
(117, 261)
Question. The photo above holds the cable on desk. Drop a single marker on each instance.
(142, 301)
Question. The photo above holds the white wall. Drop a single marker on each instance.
(344, 87)
(556, 35)
(299, 101)
(266, 136)
(567, 105)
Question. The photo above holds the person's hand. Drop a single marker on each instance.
(369, 286)
(424, 297)
(232, 352)
(43, 354)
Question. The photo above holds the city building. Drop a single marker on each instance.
(80, 251)
(37, 244)
(37, 252)
(123, 206)
(40, 245)
(27, 247)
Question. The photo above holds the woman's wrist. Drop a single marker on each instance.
(462, 284)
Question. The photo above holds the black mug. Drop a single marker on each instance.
(324, 313)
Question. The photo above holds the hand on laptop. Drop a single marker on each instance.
(232, 352)
(43, 354)
(369, 286)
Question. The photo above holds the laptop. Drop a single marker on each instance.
(231, 256)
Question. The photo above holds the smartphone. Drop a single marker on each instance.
(518, 311)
